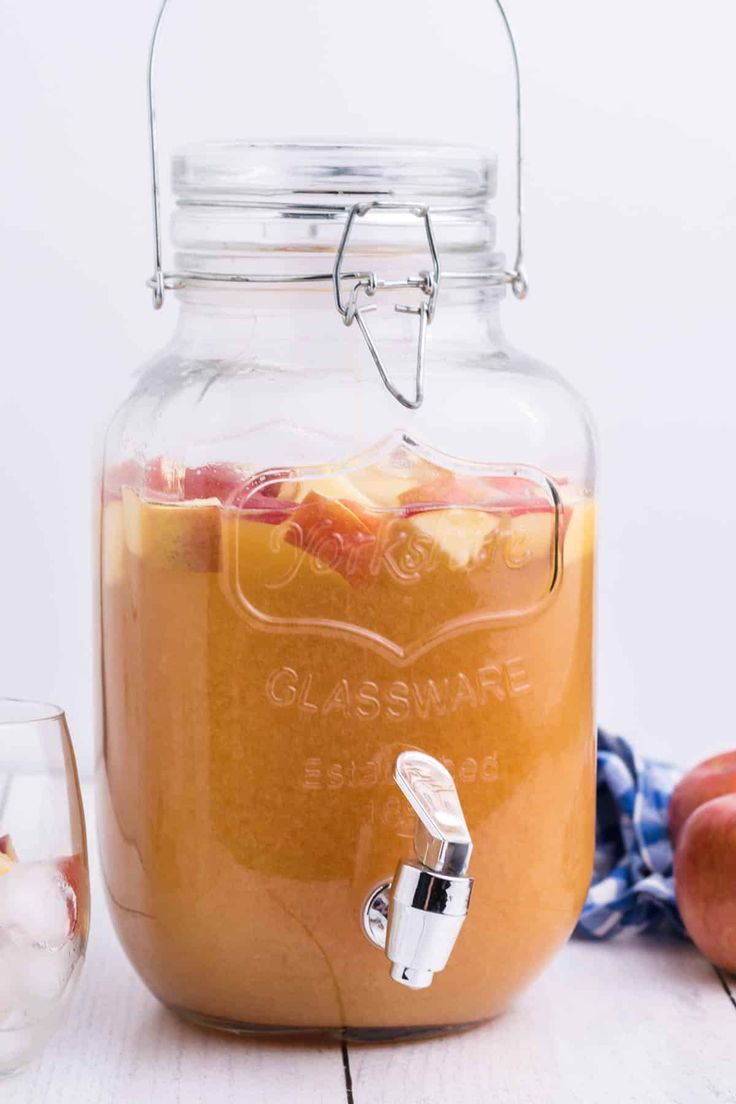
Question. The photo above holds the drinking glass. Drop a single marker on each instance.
(44, 879)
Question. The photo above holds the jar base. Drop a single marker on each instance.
(340, 1034)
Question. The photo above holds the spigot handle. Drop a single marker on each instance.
(417, 917)
(441, 839)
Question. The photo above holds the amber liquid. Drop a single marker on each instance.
(258, 685)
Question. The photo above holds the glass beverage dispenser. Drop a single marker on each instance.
(347, 605)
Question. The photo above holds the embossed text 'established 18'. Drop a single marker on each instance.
(399, 699)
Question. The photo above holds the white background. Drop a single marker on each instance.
(631, 250)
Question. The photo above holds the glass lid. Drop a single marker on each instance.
(330, 171)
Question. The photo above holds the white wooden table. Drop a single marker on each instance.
(636, 1021)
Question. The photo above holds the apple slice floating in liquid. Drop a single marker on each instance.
(340, 534)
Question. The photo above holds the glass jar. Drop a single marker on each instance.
(307, 575)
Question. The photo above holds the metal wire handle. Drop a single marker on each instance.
(159, 281)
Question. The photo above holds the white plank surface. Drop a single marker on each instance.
(638, 1021)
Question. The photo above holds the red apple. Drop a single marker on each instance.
(274, 484)
(713, 778)
(521, 496)
(340, 534)
(212, 481)
(6, 848)
(444, 490)
(705, 879)
(261, 507)
(155, 476)
(124, 475)
(509, 494)
(172, 482)
(161, 477)
(505, 495)
(74, 872)
(517, 496)
(269, 502)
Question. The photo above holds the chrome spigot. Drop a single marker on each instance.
(417, 917)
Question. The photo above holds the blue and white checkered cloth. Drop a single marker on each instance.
(632, 887)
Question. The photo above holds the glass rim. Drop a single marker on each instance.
(19, 711)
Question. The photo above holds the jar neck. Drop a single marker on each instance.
(228, 322)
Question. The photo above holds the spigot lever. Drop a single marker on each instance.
(441, 839)
(417, 918)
